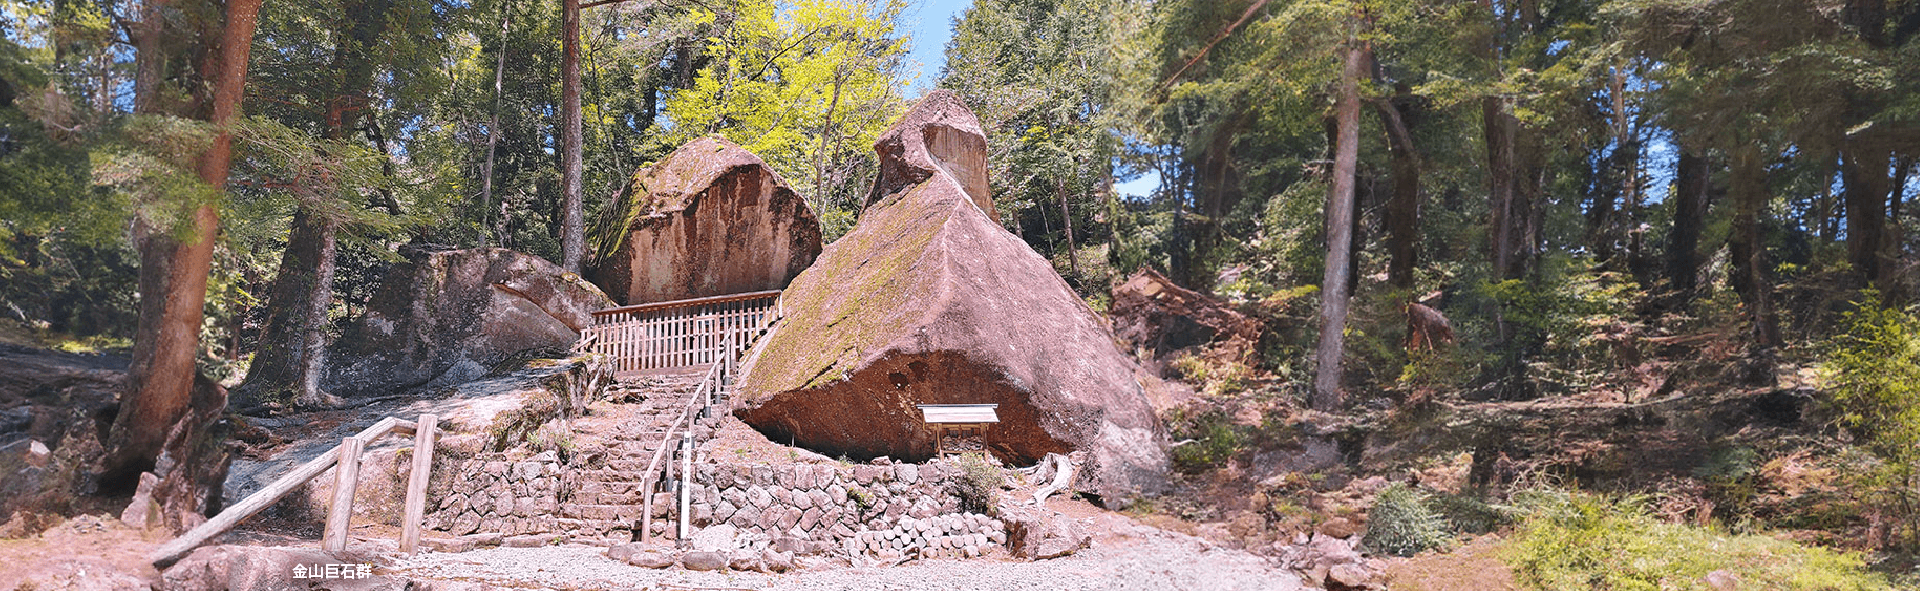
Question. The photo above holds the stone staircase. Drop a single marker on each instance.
(604, 496)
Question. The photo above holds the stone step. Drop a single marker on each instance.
(621, 512)
(610, 475)
(632, 497)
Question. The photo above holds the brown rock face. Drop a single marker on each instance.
(929, 301)
(445, 316)
(939, 134)
(1151, 313)
(53, 401)
(710, 219)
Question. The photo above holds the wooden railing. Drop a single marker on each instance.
(718, 382)
(339, 514)
(677, 335)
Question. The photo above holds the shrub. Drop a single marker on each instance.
(976, 485)
(1875, 367)
(1580, 541)
(1467, 513)
(1214, 439)
(1403, 523)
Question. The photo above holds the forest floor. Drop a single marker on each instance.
(1474, 566)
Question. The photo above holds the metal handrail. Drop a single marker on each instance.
(718, 376)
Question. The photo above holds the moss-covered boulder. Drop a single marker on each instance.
(929, 301)
(710, 219)
(447, 316)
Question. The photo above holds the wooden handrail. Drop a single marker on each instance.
(173, 550)
(720, 299)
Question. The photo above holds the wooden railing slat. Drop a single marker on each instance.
(173, 550)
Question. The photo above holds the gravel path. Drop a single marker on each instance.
(1145, 559)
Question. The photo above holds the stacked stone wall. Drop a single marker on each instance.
(491, 493)
(826, 507)
(878, 509)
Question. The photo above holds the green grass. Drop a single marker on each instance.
(1580, 541)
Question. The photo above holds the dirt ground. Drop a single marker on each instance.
(1474, 566)
(85, 552)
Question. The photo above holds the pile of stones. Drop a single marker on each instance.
(944, 536)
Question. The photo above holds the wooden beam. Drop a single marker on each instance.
(417, 482)
(346, 476)
(171, 551)
(688, 302)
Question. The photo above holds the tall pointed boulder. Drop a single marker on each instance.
(929, 301)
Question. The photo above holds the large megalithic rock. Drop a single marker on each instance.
(710, 219)
(446, 316)
(929, 301)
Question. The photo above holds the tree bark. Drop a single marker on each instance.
(572, 229)
(314, 325)
(493, 125)
(820, 153)
(1498, 131)
(173, 271)
(1327, 391)
(293, 339)
(1403, 206)
(1066, 219)
(1622, 183)
(1863, 170)
(1689, 219)
(1750, 278)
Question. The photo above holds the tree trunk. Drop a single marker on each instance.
(1863, 170)
(820, 153)
(293, 340)
(572, 230)
(493, 125)
(1621, 185)
(1828, 223)
(315, 322)
(1749, 275)
(278, 371)
(173, 272)
(1689, 219)
(1403, 206)
(1066, 218)
(1327, 392)
(1497, 128)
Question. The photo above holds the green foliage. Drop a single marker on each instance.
(1403, 522)
(979, 481)
(1731, 478)
(1215, 376)
(861, 497)
(1040, 74)
(808, 89)
(1875, 367)
(1571, 541)
(1470, 514)
(1207, 441)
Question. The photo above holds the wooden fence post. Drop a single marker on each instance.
(423, 436)
(346, 475)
